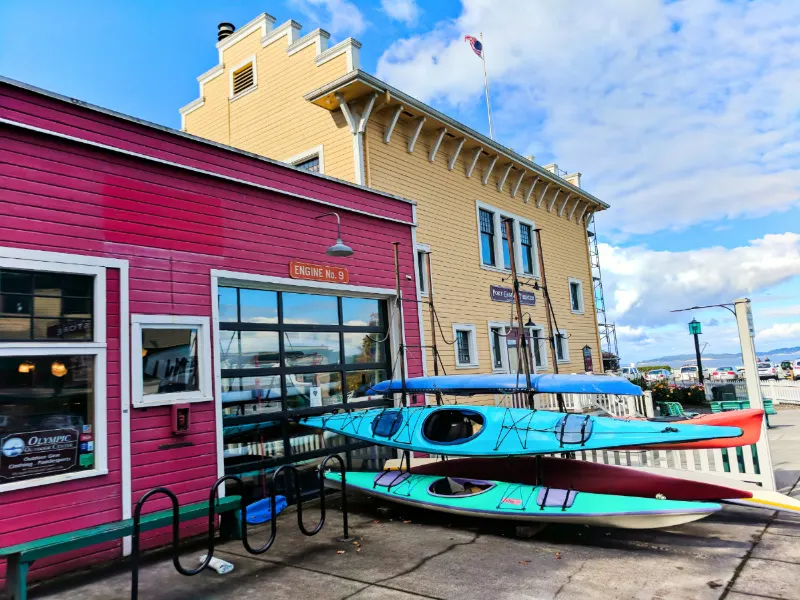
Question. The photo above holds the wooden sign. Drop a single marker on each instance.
(502, 294)
(312, 272)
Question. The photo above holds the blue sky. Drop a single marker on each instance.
(682, 115)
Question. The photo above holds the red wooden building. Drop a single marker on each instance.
(143, 269)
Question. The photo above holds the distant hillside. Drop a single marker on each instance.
(733, 357)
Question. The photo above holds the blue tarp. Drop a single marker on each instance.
(467, 385)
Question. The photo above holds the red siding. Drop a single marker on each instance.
(173, 226)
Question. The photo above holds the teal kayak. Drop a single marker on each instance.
(499, 500)
(497, 431)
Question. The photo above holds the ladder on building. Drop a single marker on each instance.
(608, 331)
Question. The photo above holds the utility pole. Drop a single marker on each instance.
(548, 307)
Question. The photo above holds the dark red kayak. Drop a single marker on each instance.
(564, 473)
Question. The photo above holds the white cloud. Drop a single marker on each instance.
(676, 113)
(641, 286)
(780, 332)
(337, 16)
(405, 11)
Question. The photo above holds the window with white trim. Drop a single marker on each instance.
(422, 271)
(309, 164)
(504, 344)
(309, 160)
(576, 296)
(243, 78)
(465, 345)
(562, 346)
(52, 372)
(171, 360)
(494, 243)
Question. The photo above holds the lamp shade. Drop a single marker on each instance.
(339, 249)
(695, 327)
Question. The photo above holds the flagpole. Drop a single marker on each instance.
(486, 85)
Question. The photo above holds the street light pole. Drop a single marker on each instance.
(695, 330)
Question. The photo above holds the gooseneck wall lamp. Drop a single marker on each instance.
(339, 248)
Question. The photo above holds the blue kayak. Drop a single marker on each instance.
(493, 430)
(468, 385)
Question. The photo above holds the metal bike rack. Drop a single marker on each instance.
(212, 503)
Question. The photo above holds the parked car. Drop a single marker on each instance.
(796, 369)
(630, 372)
(786, 368)
(740, 372)
(689, 373)
(767, 371)
(722, 374)
(657, 375)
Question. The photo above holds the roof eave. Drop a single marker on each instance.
(381, 86)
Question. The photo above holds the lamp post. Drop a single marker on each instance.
(695, 328)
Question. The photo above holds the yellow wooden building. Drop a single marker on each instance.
(300, 100)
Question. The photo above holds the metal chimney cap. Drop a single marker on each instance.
(224, 30)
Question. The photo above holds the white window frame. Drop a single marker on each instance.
(473, 345)
(497, 221)
(203, 325)
(565, 341)
(423, 285)
(581, 309)
(315, 152)
(506, 368)
(97, 348)
(237, 67)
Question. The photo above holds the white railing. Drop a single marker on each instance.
(739, 464)
(780, 392)
(616, 406)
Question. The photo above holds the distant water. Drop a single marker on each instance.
(721, 362)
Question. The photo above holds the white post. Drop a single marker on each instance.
(648, 404)
(631, 405)
(744, 323)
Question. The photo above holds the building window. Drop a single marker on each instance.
(309, 160)
(538, 348)
(52, 373)
(171, 360)
(422, 271)
(576, 295)
(43, 306)
(494, 241)
(562, 348)
(487, 237)
(311, 164)
(281, 352)
(498, 339)
(506, 245)
(243, 78)
(526, 247)
(465, 346)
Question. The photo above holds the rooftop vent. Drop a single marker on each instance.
(224, 30)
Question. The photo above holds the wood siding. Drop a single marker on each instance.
(446, 211)
(274, 119)
(173, 226)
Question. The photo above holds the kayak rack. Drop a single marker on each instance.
(285, 470)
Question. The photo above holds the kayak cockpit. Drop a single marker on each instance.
(457, 486)
(452, 426)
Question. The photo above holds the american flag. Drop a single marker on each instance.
(477, 47)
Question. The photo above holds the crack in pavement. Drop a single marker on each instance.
(419, 565)
(569, 580)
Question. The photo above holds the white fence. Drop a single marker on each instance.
(780, 392)
(741, 464)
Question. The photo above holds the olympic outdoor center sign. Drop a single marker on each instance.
(502, 294)
(38, 453)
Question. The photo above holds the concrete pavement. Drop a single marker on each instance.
(735, 554)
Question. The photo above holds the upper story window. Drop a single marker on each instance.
(526, 247)
(45, 306)
(311, 164)
(576, 295)
(422, 271)
(243, 78)
(487, 236)
(494, 241)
